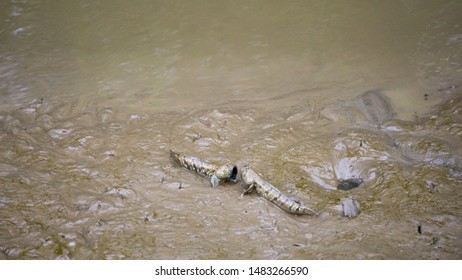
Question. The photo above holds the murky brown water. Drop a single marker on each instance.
(93, 94)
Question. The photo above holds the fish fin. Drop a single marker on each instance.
(312, 212)
(175, 157)
(214, 181)
(248, 190)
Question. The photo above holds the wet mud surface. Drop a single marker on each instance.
(88, 183)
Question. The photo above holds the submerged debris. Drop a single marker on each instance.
(370, 108)
(376, 106)
(349, 184)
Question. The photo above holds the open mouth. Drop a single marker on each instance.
(233, 176)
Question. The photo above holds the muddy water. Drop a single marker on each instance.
(94, 94)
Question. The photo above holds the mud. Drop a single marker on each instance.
(94, 94)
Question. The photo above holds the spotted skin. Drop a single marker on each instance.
(272, 194)
(215, 173)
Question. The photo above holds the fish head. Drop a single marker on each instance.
(247, 175)
(227, 172)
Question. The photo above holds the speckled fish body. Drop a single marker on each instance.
(215, 173)
(197, 165)
(272, 194)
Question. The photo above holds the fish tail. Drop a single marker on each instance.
(299, 209)
(273, 194)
